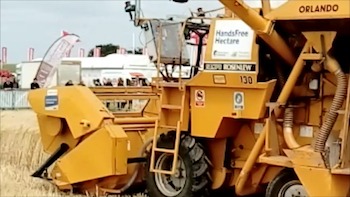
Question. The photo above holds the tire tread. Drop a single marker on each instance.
(192, 150)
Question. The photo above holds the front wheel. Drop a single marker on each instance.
(191, 177)
(286, 184)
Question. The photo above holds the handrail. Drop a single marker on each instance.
(159, 46)
(209, 11)
(160, 41)
(121, 89)
(181, 46)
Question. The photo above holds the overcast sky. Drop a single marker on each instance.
(37, 23)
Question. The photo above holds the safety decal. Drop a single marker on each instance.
(238, 101)
(199, 98)
(51, 100)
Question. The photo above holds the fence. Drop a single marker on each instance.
(14, 99)
(17, 99)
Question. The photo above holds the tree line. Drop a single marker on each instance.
(107, 49)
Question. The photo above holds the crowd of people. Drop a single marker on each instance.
(120, 82)
(10, 83)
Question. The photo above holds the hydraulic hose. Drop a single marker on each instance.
(288, 129)
(332, 116)
(281, 79)
(259, 144)
(288, 116)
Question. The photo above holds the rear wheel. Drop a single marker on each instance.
(191, 177)
(286, 184)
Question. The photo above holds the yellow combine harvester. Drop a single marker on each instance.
(269, 113)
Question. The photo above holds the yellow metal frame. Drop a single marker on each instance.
(302, 158)
(85, 123)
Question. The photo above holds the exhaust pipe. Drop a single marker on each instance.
(338, 100)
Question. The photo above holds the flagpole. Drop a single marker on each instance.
(133, 43)
(3, 57)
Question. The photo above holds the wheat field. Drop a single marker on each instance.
(21, 154)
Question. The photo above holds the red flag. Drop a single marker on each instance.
(122, 51)
(81, 52)
(4, 55)
(97, 52)
(30, 54)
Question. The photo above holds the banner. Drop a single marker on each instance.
(144, 51)
(68, 53)
(122, 51)
(53, 57)
(64, 33)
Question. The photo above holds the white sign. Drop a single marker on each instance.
(233, 40)
(199, 98)
(238, 101)
(51, 100)
(306, 131)
(258, 127)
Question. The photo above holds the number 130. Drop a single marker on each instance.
(246, 79)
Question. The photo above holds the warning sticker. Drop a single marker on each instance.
(199, 98)
(238, 101)
(51, 100)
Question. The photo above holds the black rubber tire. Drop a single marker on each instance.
(286, 176)
(195, 162)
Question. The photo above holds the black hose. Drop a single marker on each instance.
(332, 116)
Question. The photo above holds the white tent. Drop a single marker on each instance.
(96, 67)
(112, 61)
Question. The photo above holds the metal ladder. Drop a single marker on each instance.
(163, 110)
